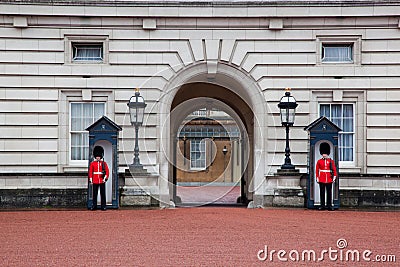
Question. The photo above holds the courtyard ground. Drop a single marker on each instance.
(208, 194)
(201, 236)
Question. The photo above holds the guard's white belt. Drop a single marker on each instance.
(324, 171)
(97, 173)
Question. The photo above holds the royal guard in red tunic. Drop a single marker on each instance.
(98, 175)
(326, 175)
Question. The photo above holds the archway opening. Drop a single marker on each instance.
(212, 139)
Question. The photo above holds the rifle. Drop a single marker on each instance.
(330, 168)
(102, 169)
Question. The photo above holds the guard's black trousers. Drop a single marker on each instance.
(102, 195)
(328, 187)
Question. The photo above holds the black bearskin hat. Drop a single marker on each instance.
(98, 151)
(324, 148)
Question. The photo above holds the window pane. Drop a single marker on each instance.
(75, 123)
(346, 147)
(348, 125)
(84, 145)
(336, 117)
(337, 53)
(75, 140)
(76, 116)
(76, 110)
(325, 111)
(87, 52)
(197, 154)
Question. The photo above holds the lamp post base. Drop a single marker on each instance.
(288, 166)
(286, 171)
(137, 169)
(140, 188)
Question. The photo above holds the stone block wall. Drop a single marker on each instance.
(43, 198)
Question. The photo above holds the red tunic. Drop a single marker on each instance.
(96, 171)
(323, 170)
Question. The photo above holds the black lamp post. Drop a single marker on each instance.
(224, 151)
(136, 106)
(287, 107)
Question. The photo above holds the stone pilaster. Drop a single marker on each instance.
(141, 189)
(284, 190)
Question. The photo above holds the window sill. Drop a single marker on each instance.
(337, 62)
(349, 169)
(86, 62)
(198, 169)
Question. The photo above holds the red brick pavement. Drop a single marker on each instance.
(209, 236)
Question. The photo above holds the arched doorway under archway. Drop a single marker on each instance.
(241, 98)
(211, 135)
(207, 96)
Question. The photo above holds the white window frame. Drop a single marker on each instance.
(72, 40)
(94, 46)
(84, 161)
(349, 46)
(203, 154)
(353, 40)
(344, 163)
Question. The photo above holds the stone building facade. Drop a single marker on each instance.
(65, 63)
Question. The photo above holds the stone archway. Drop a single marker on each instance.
(193, 96)
(238, 91)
